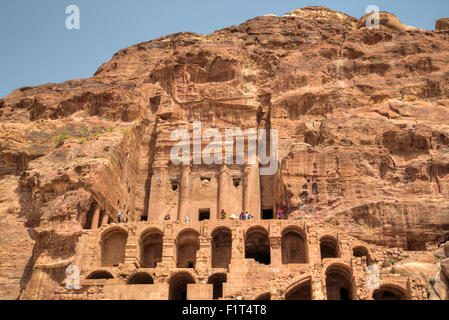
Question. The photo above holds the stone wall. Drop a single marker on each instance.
(343, 276)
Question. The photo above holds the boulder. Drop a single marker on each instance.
(426, 270)
(442, 24)
(440, 254)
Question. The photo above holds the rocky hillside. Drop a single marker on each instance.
(362, 118)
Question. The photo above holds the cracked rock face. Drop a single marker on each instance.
(442, 24)
(362, 117)
(446, 249)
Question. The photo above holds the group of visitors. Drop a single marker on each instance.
(223, 214)
(244, 215)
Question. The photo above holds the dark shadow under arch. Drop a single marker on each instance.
(187, 245)
(387, 292)
(217, 281)
(101, 274)
(257, 245)
(264, 297)
(151, 248)
(113, 248)
(339, 283)
(141, 278)
(361, 251)
(293, 246)
(221, 247)
(302, 291)
(178, 286)
(329, 247)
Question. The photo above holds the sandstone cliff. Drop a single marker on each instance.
(362, 118)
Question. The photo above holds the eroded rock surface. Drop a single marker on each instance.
(442, 24)
(363, 126)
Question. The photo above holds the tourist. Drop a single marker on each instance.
(167, 217)
(119, 216)
(187, 219)
(242, 216)
(223, 214)
(234, 217)
(280, 214)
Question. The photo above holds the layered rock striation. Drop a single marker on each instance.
(362, 119)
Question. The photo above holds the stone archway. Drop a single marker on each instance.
(388, 292)
(221, 247)
(151, 248)
(217, 281)
(293, 246)
(141, 278)
(264, 297)
(339, 283)
(361, 251)
(187, 244)
(329, 247)
(178, 286)
(257, 245)
(113, 248)
(302, 291)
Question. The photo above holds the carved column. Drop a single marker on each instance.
(95, 217)
(251, 191)
(224, 191)
(159, 188)
(168, 253)
(105, 218)
(184, 194)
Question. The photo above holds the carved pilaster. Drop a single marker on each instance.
(168, 253)
(224, 186)
(238, 244)
(203, 255)
(95, 217)
(184, 194)
(104, 219)
(276, 251)
(251, 191)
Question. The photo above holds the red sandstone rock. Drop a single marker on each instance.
(442, 24)
(363, 152)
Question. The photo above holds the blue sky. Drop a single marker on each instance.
(36, 47)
